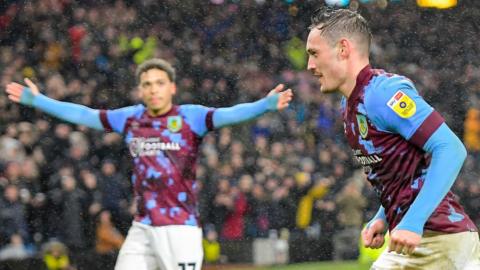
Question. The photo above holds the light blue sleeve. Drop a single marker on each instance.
(443, 144)
(202, 119)
(379, 97)
(79, 114)
(196, 118)
(70, 112)
(244, 112)
(379, 215)
(116, 119)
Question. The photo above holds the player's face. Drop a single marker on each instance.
(325, 62)
(157, 90)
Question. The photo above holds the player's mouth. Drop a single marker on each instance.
(155, 100)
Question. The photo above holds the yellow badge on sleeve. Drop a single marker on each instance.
(402, 104)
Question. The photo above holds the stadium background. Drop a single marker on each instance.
(286, 176)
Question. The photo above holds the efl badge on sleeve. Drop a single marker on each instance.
(174, 123)
(402, 104)
(362, 125)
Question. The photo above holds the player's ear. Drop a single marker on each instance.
(344, 48)
(174, 88)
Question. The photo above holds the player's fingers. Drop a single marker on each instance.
(285, 93)
(28, 82)
(288, 92)
(392, 245)
(409, 249)
(285, 104)
(278, 88)
(284, 98)
(14, 85)
(14, 98)
(399, 247)
(377, 241)
(31, 85)
(13, 91)
(367, 236)
(14, 88)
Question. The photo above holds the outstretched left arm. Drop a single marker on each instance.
(276, 100)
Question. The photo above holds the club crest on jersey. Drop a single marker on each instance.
(174, 123)
(362, 125)
(402, 104)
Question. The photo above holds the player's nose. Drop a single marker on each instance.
(311, 64)
(155, 89)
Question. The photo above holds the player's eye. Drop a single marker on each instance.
(160, 83)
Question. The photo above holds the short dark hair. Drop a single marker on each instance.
(334, 23)
(155, 63)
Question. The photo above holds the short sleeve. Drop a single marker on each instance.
(114, 120)
(393, 104)
(198, 117)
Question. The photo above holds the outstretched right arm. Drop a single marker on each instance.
(70, 112)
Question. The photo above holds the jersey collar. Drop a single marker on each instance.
(363, 78)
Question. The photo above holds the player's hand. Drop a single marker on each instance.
(373, 235)
(403, 241)
(20, 94)
(284, 96)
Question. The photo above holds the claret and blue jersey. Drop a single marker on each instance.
(164, 150)
(387, 124)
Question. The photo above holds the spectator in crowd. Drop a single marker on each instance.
(12, 215)
(350, 205)
(70, 201)
(115, 193)
(93, 202)
(55, 256)
(109, 241)
(15, 250)
(211, 246)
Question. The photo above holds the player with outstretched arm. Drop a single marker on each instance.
(163, 140)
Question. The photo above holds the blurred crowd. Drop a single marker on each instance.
(64, 189)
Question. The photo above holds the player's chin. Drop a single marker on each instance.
(159, 107)
(326, 90)
(156, 107)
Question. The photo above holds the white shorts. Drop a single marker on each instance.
(456, 251)
(173, 247)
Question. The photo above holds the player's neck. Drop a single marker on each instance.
(352, 73)
(160, 112)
